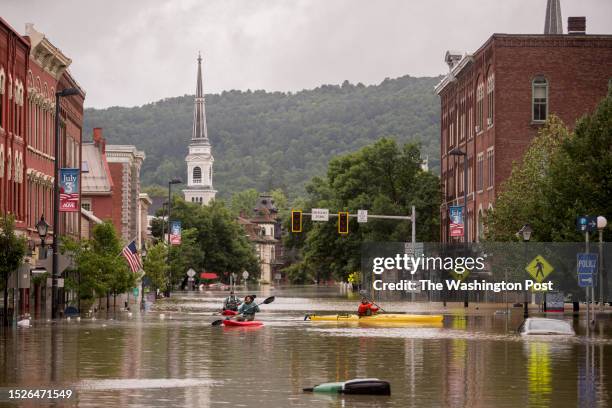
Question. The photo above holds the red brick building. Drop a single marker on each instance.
(111, 184)
(494, 101)
(14, 66)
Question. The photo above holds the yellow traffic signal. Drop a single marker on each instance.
(343, 222)
(296, 221)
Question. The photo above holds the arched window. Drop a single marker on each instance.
(539, 90)
(197, 175)
(479, 105)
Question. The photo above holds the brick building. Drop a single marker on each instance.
(495, 100)
(14, 66)
(111, 184)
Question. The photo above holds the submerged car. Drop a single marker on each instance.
(545, 326)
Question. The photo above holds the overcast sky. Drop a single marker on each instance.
(131, 52)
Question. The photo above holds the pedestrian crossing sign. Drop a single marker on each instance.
(539, 268)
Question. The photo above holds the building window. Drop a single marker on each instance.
(2, 81)
(197, 175)
(210, 175)
(479, 172)
(479, 107)
(470, 174)
(490, 99)
(540, 99)
(490, 167)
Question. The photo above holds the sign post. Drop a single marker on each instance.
(587, 224)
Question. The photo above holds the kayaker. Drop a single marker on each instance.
(247, 310)
(231, 302)
(366, 308)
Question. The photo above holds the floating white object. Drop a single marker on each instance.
(23, 323)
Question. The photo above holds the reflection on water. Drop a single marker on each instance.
(469, 361)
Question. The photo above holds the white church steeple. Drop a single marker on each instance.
(200, 159)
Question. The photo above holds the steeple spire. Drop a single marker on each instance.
(553, 24)
(200, 133)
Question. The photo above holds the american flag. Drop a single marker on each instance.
(130, 253)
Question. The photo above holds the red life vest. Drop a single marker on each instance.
(364, 308)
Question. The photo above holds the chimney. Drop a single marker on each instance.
(576, 25)
(98, 139)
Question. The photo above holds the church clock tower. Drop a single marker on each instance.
(200, 159)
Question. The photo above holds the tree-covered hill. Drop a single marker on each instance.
(267, 140)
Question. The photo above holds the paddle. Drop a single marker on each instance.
(265, 302)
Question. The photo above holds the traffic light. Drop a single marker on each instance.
(296, 221)
(343, 221)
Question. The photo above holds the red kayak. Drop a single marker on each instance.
(235, 323)
(228, 312)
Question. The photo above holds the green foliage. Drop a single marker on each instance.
(243, 202)
(268, 140)
(221, 242)
(12, 252)
(384, 179)
(562, 175)
(299, 273)
(155, 266)
(187, 255)
(101, 270)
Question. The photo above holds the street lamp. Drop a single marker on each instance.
(170, 183)
(42, 227)
(143, 252)
(602, 222)
(525, 233)
(56, 196)
(457, 152)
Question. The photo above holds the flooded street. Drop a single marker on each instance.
(172, 356)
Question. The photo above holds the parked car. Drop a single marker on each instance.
(544, 326)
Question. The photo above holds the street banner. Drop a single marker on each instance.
(69, 190)
(175, 233)
(456, 220)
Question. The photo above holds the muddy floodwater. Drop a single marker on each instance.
(172, 356)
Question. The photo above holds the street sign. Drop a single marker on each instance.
(460, 276)
(585, 280)
(362, 216)
(245, 275)
(586, 263)
(586, 223)
(191, 273)
(320, 214)
(539, 268)
(135, 292)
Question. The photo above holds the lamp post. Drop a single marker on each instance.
(56, 196)
(457, 152)
(142, 281)
(602, 222)
(525, 233)
(170, 183)
(42, 227)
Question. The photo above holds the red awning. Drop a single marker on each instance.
(208, 275)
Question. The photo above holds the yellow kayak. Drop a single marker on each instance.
(378, 318)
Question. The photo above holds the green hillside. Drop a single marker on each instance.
(268, 140)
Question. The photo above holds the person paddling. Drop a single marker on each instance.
(231, 302)
(366, 308)
(247, 310)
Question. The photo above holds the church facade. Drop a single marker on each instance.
(199, 159)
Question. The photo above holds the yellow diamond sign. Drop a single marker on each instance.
(539, 268)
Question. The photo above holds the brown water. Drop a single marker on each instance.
(472, 360)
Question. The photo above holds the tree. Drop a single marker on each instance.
(523, 197)
(222, 241)
(244, 202)
(101, 269)
(383, 178)
(185, 256)
(562, 175)
(155, 266)
(12, 253)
